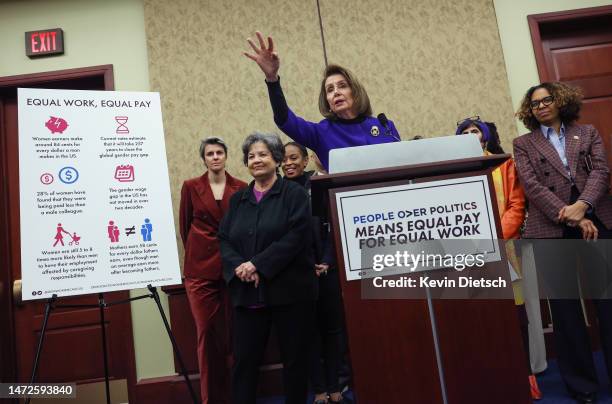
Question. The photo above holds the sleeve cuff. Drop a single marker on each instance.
(273, 84)
(590, 208)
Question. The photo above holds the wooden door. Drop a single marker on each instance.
(575, 47)
(72, 349)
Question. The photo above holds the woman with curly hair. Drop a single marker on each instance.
(563, 168)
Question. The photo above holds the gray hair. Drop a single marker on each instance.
(209, 141)
(272, 142)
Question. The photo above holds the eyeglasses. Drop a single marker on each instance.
(546, 101)
(471, 118)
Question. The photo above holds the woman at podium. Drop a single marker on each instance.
(266, 246)
(343, 102)
(511, 205)
(204, 200)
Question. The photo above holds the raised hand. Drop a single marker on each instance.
(265, 57)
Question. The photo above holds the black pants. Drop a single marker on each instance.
(571, 338)
(325, 357)
(524, 325)
(293, 324)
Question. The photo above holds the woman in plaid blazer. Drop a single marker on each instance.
(563, 168)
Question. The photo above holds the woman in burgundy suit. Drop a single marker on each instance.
(204, 200)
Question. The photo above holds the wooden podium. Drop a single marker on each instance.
(427, 350)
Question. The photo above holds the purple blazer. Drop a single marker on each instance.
(327, 134)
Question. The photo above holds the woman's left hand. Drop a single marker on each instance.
(245, 270)
(239, 271)
(589, 230)
(248, 268)
(265, 56)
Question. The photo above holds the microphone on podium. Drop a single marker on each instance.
(382, 118)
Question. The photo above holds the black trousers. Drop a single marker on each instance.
(325, 356)
(293, 325)
(572, 342)
(524, 324)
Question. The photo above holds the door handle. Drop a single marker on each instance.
(17, 300)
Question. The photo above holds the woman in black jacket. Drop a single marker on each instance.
(325, 356)
(268, 265)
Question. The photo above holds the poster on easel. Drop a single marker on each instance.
(95, 203)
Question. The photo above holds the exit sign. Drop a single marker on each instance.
(44, 42)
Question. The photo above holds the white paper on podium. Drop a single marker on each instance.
(403, 153)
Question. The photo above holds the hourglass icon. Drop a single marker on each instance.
(122, 128)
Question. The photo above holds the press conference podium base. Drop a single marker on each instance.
(427, 350)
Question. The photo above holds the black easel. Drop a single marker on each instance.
(102, 304)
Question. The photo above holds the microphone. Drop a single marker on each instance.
(382, 118)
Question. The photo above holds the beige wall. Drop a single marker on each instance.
(209, 88)
(96, 32)
(516, 40)
(426, 64)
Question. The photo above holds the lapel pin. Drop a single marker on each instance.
(576, 137)
(374, 131)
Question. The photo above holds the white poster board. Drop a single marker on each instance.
(448, 218)
(96, 211)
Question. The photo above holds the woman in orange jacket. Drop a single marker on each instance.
(511, 205)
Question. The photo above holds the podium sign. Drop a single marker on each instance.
(96, 213)
(447, 218)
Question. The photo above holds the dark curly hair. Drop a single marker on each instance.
(567, 98)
